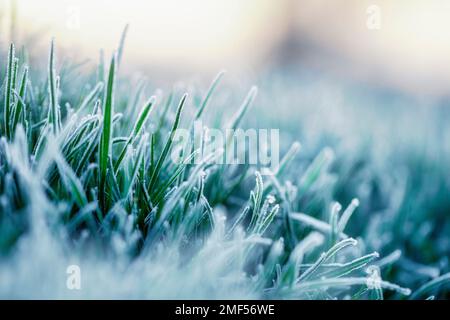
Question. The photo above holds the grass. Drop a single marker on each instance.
(84, 178)
(105, 147)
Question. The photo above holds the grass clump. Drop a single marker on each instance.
(83, 178)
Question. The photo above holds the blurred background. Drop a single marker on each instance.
(402, 44)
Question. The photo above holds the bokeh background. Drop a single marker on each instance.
(402, 44)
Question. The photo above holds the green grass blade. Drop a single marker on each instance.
(208, 95)
(20, 106)
(347, 214)
(165, 152)
(140, 123)
(237, 117)
(323, 284)
(53, 118)
(431, 285)
(90, 97)
(8, 92)
(72, 183)
(325, 256)
(122, 44)
(107, 130)
(351, 266)
(136, 166)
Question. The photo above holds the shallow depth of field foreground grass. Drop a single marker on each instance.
(86, 179)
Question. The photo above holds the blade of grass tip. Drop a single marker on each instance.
(90, 97)
(140, 123)
(237, 118)
(256, 197)
(316, 168)
(122, 44)
(339, 246)
(96, 109)
(201, 187)
(209, 211)
(53, 112)
(347, 214)
(239, 219)
(106, 137)
(268, 219)
(389, 259)
(101, 66)
(8, 91)
(200, 111)
(351, 266)
(13, 103)
(20, 106)
(40, 143)
(333, 221)
(209, 93)
(291, 238)
(318, 225)
(164, 111)
(132, 105)
(23, 55)
(431, 285)
(58, 86)
(168, 144)
(325, 256)
(289, 156)
(292, 267)
(14, 79)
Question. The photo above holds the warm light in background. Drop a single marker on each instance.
(193, 34)
(410, 50)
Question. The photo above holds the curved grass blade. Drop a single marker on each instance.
(431, 285)
(349, 267)
(325, 256)
(323, 284)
